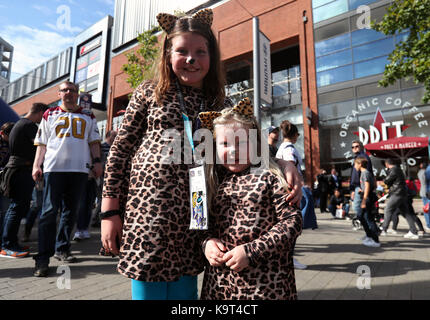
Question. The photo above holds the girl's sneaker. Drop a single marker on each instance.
(298, 265)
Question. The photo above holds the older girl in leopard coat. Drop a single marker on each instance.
(157, 250)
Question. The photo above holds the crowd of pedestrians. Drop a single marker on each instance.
(143, 203)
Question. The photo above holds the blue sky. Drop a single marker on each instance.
(40, 29)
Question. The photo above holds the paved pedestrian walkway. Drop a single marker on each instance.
(336, 259)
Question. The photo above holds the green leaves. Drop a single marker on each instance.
(411, 58)
(140, 64)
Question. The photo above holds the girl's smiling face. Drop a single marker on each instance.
(232, 146)
(190, 58)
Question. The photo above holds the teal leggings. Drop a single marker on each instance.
(183, 289)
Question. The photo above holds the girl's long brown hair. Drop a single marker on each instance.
(213, 83)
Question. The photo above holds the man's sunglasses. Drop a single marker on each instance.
(68, 89)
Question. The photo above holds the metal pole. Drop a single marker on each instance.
(256, 66)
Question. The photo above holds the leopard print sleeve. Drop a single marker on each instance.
(130, 134)
(282, 236)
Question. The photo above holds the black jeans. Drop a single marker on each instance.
(394, 203)
(20, 197)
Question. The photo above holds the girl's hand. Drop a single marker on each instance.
(363, 205)
(111, 234)
(214, 252)
(236, 259)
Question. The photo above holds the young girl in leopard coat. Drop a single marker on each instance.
(157, 250)
(252, 228)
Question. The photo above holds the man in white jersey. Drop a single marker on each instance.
(67, 141)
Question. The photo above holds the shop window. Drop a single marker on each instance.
(334, 60)
(332, 76)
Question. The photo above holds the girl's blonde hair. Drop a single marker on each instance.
(214, 81)
(229, 116)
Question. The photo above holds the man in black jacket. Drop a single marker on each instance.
(20, 188)
(397, 199)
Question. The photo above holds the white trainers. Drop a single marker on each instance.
(298, 265)
(392, 231)
(78, 236)
(427, 229)
(364, 238)
(420, 234)
(371, 243)
(410, 235)
(383, 234)
(85, 234)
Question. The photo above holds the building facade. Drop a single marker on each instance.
(6, 57)
(86, 63)
(325, 62)
(350, 58)
(288, 25)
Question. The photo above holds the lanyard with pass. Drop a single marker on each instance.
(198, 187)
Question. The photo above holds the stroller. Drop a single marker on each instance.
(379, 217)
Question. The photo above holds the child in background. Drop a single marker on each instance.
(367, 199)
(337, 201)
(252, 228)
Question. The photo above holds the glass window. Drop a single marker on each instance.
(326, 78)
(354, 4)
(319, 3)
(334, 60)
(374, 49)
(367, 68)
(365, 35)
(333, 44)
(329, 10)
(280, 76)
(402, 37)
(335, 111)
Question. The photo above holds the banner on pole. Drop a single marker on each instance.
(265, 69)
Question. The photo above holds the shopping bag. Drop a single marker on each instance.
(340, 213)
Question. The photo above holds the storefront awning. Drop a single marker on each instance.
(7, 114)
(401, 147)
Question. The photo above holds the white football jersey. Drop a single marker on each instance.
(67, 137)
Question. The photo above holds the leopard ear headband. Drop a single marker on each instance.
(244, 108)
(167, 21)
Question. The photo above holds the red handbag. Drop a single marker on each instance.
(426, 207)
